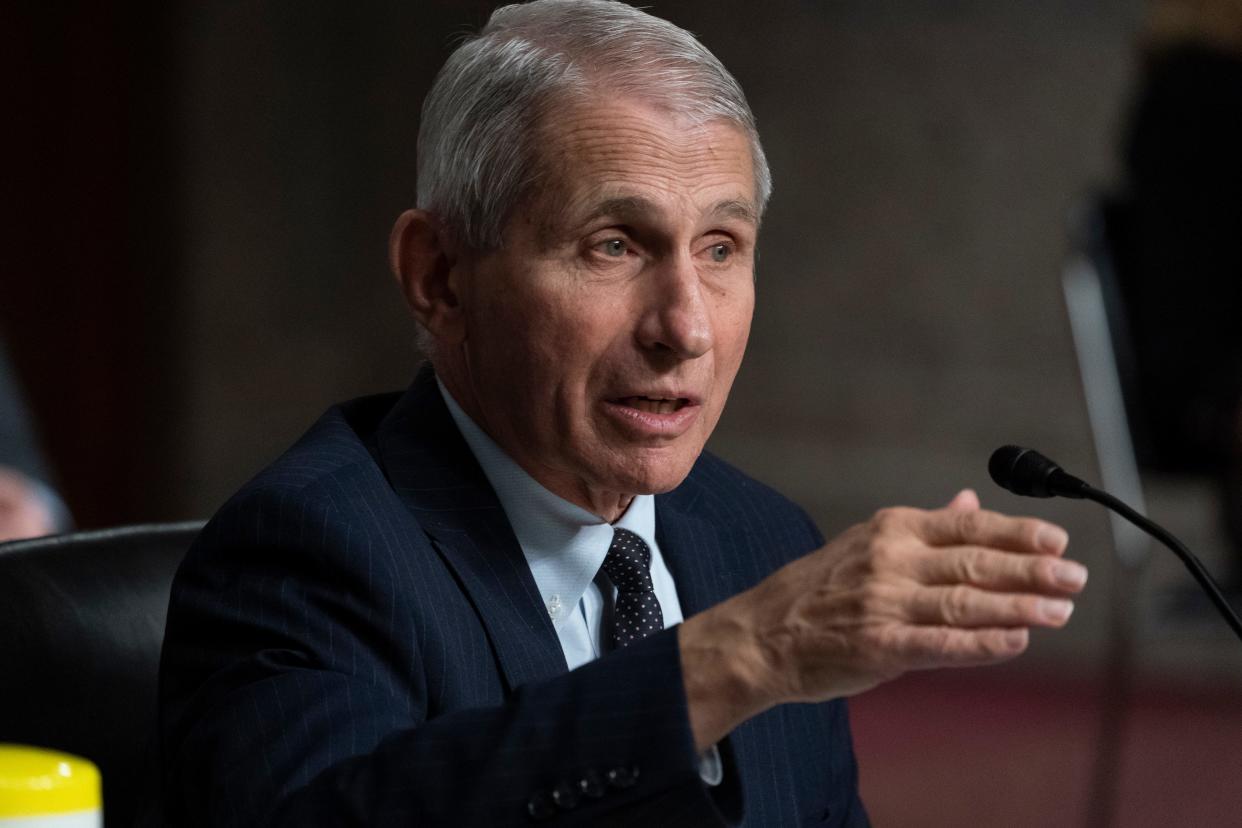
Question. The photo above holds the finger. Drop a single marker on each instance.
(991, 569)
(964, 606)
(951, 527)
(964, 501)
(927, 647)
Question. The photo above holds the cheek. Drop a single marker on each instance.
(548, 342)
(514, 321)
(733, 332)
(577, 329)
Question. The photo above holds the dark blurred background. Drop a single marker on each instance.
(198, 209)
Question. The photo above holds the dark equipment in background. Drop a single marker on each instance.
(1173, 237)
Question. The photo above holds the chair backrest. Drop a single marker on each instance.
(81, 625)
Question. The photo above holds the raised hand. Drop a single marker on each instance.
(908, 589)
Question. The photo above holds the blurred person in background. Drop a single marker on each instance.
(29, 507)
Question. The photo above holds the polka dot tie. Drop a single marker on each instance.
(637, 613)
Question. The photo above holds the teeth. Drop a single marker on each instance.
(654, 406)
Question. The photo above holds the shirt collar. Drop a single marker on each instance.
(564, 544)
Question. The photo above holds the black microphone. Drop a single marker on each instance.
(1026, 472)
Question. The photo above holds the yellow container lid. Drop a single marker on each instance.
(36, 781)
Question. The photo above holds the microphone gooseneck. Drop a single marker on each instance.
(1026, 472)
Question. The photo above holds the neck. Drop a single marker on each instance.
(609, 505)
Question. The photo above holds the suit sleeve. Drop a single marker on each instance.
(285, 700)
(855, 814)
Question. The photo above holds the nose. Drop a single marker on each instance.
(676, 318)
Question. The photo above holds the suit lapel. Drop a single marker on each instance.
(437, 477)
(694, 550)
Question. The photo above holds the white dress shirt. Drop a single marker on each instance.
(565, 546)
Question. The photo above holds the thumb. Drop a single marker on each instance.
(964, 501)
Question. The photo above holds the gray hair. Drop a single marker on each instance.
(477, 141)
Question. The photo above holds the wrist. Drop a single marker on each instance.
(724, 670)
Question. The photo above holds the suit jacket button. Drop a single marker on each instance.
(540, 806)
(565, 797)
(623, 777)
(591, 785)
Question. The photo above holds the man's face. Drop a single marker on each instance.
(603, 337)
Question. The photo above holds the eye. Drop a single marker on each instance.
(720, 252)
(615, 248)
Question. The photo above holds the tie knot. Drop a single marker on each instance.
(628, 562)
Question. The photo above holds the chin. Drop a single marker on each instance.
(651, 475)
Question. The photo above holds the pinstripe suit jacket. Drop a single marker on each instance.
(356, 638)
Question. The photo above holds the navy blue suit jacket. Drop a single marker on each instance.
(356, 638)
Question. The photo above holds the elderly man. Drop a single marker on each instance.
(464, 605)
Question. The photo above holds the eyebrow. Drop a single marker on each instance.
(737, 208)
(624, 208)
(628, 208)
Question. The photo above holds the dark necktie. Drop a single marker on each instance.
(637, 613)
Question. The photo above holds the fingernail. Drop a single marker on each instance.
(1051, 538)
(1016, 638)
(1055, 609)
(1069, 574)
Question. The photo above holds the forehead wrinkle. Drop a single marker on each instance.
(623, 154)
(598, 136)
(617, 147)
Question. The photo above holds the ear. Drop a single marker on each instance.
(422, 257)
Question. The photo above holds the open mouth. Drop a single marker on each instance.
(654, 405)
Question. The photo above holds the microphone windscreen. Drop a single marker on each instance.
(1022, 471)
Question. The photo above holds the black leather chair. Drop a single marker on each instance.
(81, 625)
